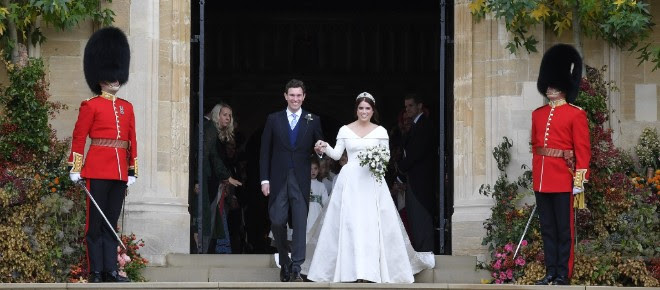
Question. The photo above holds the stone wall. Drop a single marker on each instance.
(494, 94)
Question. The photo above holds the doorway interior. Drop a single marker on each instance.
(340, 48)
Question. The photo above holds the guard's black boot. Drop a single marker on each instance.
(114, 277)
(546, 280)
(561, 280)
(95, 277)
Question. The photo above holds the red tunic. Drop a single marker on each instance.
(110, 118)
(563, 127)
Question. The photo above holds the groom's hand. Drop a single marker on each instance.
(265, 189)
(319, 147)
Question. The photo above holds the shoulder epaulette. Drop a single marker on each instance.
(576, 106)
(87, 100)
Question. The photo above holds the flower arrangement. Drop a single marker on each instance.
(504, 267)
(130, 261)
(648, 149)
(375, 159)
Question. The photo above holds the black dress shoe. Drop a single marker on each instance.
(114, 277)
(95, 277)
(546, 280)
(295, 276)
(561, 280)
(285, 273)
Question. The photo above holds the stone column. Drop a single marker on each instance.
(157, 206)
(493, 98)
(469, 208)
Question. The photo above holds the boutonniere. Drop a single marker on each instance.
(309, 118)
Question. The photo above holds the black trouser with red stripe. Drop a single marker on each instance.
(557, 231)
(100, 240)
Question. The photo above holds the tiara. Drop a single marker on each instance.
(366, 95)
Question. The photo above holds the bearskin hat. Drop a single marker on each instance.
(107, 58)
(561, 68)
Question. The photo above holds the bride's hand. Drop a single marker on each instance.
(319, 147)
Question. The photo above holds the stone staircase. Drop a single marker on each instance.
(262, 268)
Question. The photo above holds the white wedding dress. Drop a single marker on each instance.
(359, 235)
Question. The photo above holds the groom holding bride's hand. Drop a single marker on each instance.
(319, 147)
(286, 144)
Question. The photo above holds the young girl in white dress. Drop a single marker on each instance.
(359, 235)
(318, 198)
(326, 176)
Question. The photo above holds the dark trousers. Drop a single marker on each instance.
(100, 239)
(556, 215)
(289, 198)
(421, 223)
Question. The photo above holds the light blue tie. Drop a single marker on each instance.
(294, 120)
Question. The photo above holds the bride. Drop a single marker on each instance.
(360, 236)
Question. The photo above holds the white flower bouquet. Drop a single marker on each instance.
(375, 159)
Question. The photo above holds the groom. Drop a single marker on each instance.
(286, 144)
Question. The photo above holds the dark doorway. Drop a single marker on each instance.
(339, 49)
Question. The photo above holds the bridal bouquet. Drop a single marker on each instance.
(376, 159)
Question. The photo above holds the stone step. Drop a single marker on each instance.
(176, 274)
(455, 262)
(266, 261)
(221, 261)
(244, 275)
(262, 268)
(186, 274)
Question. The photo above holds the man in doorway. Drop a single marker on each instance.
(286, 144)
(417, 168)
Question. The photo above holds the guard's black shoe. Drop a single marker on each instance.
(285, 273)
(561, 280)
(546, 280)
(295, 276)
(95, 277)
(114, 277)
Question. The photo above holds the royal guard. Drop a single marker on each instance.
(561, 153)
(111, 162)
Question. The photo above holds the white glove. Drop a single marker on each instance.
(74, 177)
(577, 190)
(131, 180)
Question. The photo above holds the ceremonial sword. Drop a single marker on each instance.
(524, 232)
(81, 183)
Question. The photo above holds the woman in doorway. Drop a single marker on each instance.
(223, 119)
(359, 236)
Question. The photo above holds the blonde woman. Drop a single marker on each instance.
(222, 118)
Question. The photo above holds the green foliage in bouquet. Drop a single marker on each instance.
(41, 212)
(617, 233)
